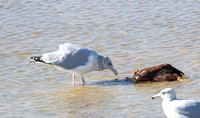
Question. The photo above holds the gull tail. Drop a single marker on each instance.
(36, 59)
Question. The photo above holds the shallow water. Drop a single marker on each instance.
(133, 34)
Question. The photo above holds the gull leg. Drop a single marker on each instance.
(73, 79)
(83, 79)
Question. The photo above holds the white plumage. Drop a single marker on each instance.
(178, 108)
(75, 59)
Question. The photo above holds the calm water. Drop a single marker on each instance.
(133, 34)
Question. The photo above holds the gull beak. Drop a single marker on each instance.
(156, 96)
(114, 70)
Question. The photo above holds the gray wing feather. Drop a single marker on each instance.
(190, 109)
(75, 59)
(69, 56)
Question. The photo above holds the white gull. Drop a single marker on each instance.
(75, 59)
(178, 108)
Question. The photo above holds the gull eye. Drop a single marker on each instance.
(109, 64)
(163, 93)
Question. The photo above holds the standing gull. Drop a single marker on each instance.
(75, 59)
(178, 108)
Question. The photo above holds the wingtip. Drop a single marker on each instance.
(35, 59)
(31, 60)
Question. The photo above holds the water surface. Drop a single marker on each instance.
(133, 34)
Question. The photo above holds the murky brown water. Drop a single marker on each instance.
(133, 34)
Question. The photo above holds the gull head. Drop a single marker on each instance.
(167, 93)
(107, 64)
